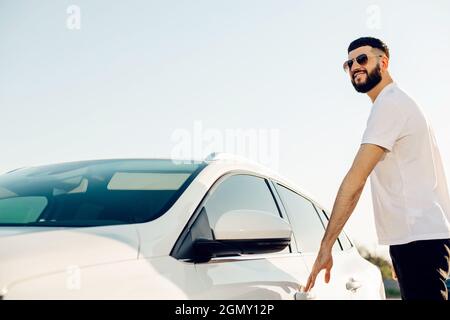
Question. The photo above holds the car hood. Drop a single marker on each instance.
(28, 252)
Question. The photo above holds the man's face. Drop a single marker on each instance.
(366, 76)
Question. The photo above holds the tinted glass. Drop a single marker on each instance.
(93, 192)
(306, 224)
(240, 192)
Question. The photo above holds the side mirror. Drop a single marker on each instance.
(245, 232)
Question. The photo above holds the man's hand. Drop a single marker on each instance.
(348, 195)
(324, 260)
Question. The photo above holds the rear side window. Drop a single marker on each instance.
(306, 224)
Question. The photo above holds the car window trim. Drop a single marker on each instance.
(285, 215)
(318, 209)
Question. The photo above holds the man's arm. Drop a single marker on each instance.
(347, 197)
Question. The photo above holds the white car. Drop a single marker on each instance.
(222, 228)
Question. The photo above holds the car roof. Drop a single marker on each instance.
(229, 162)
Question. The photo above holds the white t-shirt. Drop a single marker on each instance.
(409, 189)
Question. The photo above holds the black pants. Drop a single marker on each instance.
(422, 268)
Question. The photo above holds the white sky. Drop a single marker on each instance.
(138, 71)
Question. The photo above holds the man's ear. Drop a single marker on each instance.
(384, 63)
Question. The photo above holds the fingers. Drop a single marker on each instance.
(322, 262)
(327, 275)
(312, 278)
(311, 281)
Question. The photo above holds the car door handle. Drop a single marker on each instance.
(353, 285)
(301, 295)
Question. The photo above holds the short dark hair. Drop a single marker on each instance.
(369, 41)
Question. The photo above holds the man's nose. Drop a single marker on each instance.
(354, 64)
(356, 69)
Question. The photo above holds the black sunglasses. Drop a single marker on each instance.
(362, 60)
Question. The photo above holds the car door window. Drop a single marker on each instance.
(241, 192)
(231, 193)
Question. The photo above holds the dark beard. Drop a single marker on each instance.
(373, 79)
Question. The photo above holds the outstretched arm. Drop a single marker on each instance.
(347, 197)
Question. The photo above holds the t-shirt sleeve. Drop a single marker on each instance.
(386, 124)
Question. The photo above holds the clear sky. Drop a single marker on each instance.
(137, 72)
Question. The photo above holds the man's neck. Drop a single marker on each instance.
(373, 94)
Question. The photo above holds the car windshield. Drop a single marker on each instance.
(93, 193)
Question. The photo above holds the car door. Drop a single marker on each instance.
(250, 276)
(361, 282)
(308, 231)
